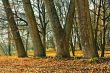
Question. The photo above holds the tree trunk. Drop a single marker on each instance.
(14, 30)
(73, 46)
(61, 35)
(86, 29)
(9, 42)
(102, 50)
(39, 50)
(42, 19)
(43, 35)
(104, 29)
(96, 27)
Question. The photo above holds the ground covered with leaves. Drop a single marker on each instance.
(51, 65)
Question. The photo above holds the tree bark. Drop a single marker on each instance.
(39, 50)
(14, 30)
(96, 27)
(9, 42)
(104, 29)
(61, 35)
(86, 29)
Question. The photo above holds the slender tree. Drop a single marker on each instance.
(14, 30)
(43, 20)
(104, 28)
(39, 50)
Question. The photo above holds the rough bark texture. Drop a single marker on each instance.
(86, 29)
(61, 35)
(14, 30)
(69, 21)
(39, 50)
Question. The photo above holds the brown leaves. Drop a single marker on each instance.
(49, 65)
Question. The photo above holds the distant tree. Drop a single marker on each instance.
(104, 25)
(43, 21)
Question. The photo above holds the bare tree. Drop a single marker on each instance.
(61, 35)
(14, 29)
(86, 31)
(39, 50)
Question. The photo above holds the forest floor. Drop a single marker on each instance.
(51, 65)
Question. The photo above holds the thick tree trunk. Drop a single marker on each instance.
(77, 32)
(86, 29)
(44, 37)
(57, 29)
(39, 50)
(61, 35)
(14, 30)
(69, 21)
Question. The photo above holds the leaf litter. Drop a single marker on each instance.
(50, 65)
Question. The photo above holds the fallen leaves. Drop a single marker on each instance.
(49, 65)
